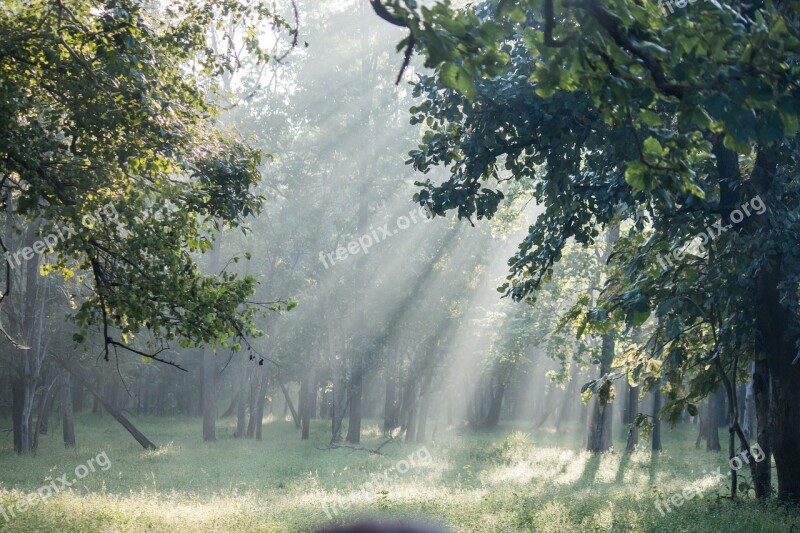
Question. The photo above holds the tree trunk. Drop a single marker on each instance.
(68, 421)
(390, 403)
(241, 410)
(712, 423)
(749, 418)
(263, 390)
(425, 403)
(48, 397)
(495, 405)
(411, 422)
(17, 401)
(600, 425)
(290, 405)
(232, 407)
(356, 396)
(656, 444)
(631, 410)
(602, 414)
(309, 396)
(339, 400)
(255, 391)
(784, 435)
(209, 374)
(209, 396)
(776, 337)
(761, 396)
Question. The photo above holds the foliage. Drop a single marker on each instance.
(107, 107)
(617, 112)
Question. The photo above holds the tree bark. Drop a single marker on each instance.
(209, 396)
(600, 425)
(310, 400)
(290, 405)
(44, 410)
(264, 389)
(495, 405)
(761, 396)
(776, 338)
(356, 396)
(232, 407)
(241, 410)
(68, 421)
(631, 410)
(390, 402)
(425, 403)
(712, 423)
(656, 443)
(602, 415)
(17, 401)
(209, 375)
(255, 392)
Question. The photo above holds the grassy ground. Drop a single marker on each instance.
(508, 480)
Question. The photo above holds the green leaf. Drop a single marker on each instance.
(651, 146)
(455, 78)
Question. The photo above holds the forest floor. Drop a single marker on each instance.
(508, 480)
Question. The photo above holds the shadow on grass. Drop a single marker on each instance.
(655, 460)
(624, 462)
(590, 469)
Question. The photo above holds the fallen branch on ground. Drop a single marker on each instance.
(376, 451)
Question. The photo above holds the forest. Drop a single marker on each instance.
(400, 266)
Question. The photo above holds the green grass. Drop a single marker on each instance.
(507, 480)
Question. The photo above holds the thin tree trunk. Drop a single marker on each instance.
(232, 407)
(209, 400)
(290, 405)
(44, 410)
(68, 421)
(209, 396)
(712, 423)
(600, 425)
(390, 402)
(425, 402)
(495, 404)
(241, 410)
(338, 405)
(547, 410)
(255, 392)
(632, 409)
(656, 444)
(356, 395)
(310, 399)
(602, 414)
(263, 390)
(17, 401)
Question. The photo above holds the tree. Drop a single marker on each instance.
(106, 133)
(707, 104)
(114, 170)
